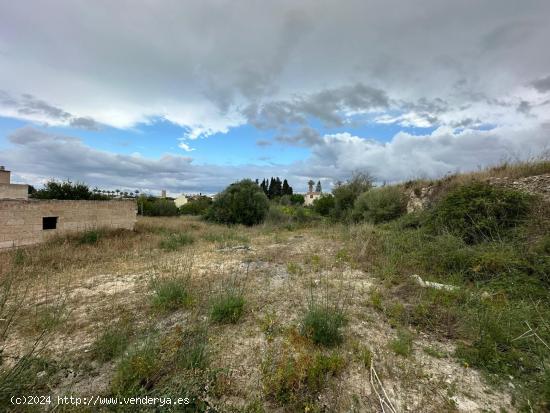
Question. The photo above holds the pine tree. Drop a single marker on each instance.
(318, 187)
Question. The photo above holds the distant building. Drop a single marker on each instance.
(181, 200)
(310, 196)
(184, 199)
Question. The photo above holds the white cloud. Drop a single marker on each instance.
(199, 63)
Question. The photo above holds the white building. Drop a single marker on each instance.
(181, 200)
(310, 196)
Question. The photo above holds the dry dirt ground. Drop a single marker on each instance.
(278, 270)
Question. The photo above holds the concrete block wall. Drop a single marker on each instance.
(14, 191)
(21, 221)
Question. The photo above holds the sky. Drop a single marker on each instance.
(190, 96)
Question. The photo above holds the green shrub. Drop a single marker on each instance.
(323, 324)
(242, 202)
(297, 199)
(380, 205)
(174, 241)
(480, 212)
(227, 308)
(346, 193)
(324, 205)
(170, 293)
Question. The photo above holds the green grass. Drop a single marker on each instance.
(137, 371)
(227, 308)
(502, 270)
(170, 293)
(323, 324)
(174, 242)
(403, 344)
(90, 237)
(113, 341)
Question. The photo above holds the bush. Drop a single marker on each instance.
(242, 202)
(169, 294)
(323, 324)
(346, 193)
(174, 241)
(479, 212)
(324, 205)
(198, 206)
(227, 308)
(380, 205)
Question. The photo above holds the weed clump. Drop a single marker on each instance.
(227, 308)
(403, 344)
(170, 293)
(323, 324)
(137, 371)
(111, 343)
(479, 212)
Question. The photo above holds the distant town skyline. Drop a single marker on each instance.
(191, 96)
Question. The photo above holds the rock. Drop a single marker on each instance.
(40, 374)
(431, 284)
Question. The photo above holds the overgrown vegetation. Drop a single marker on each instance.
(295, 372)
(480, 212)
(380, 205)
(156, 207)
(174, 242)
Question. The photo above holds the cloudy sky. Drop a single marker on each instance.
(192, 95)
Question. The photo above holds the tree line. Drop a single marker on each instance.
(275, 188)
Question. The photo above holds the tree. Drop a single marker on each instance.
(66, 190)
(242, 202)
(318, 187)
(324, 205)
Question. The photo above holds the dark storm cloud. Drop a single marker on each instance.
(542, 84)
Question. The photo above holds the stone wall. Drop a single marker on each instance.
(535, 185)
(21, 222)
(14, 191)
(421, 198)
